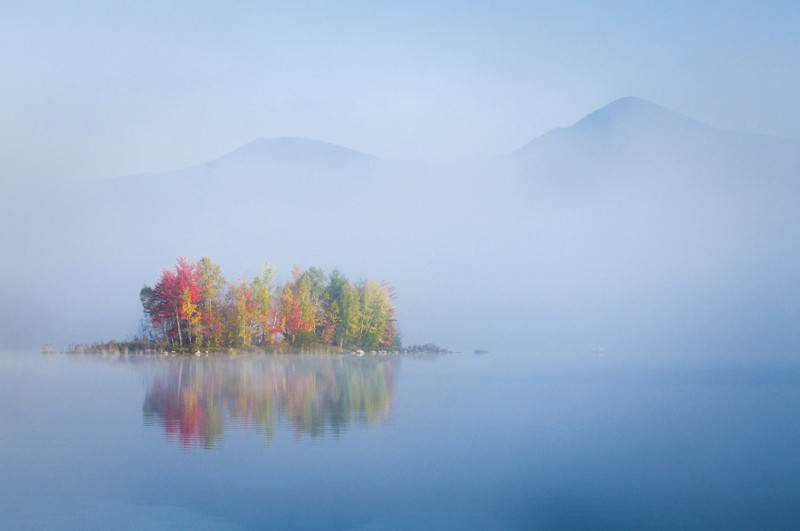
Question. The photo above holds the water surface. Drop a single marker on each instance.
(331, 442)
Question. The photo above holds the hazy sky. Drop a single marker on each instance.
(100, 89)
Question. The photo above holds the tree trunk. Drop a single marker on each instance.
(178, 321)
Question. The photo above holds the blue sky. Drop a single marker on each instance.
(98, 89)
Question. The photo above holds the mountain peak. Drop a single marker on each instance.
(294, 150)
(625, 121)
(632, 112)
(632, 103)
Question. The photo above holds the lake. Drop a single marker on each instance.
(458, 441)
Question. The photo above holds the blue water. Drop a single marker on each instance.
(456, 442)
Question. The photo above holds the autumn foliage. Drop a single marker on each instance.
(194, 306)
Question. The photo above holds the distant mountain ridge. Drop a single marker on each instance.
(615, 129)
(295, 150)
(626, 117)
(632, 139)
(270, 156)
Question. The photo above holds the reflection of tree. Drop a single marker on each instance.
(195, 398)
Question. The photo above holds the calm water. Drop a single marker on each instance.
(456, 442)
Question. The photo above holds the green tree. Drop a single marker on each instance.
(146, 329)
(215, 289)
(349, 329)
(263, 291)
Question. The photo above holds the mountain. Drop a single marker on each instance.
(261, 164)
(279, 152)
(633, 141)
(295, 151)
(636, 228)
(620, 122)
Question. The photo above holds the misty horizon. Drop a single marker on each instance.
(287, 142)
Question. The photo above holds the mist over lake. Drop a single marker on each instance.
(635, 228)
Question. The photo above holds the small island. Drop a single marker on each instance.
(193, 309)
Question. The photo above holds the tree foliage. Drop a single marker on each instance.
(194, 306)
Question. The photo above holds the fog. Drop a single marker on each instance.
(475, 155)
(637, 230)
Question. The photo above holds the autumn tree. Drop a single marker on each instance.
(190, 309)
(173, 302)
(240, 315)
(291, 314)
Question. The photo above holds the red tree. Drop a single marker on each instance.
(176, 304)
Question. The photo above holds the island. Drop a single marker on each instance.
(194, 309)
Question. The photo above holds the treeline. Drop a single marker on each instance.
(194, 306)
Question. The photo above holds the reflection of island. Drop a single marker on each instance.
(194, 399)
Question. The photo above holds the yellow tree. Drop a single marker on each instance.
(190, 314)
(214, 288)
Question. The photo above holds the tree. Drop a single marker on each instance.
(390, 337)
(146, 330)
(173, 303)
(375, 313)
(349, 329)
(333, 313)
(240, 315)
(214, 288)
(293, 321)
(190, 312)
(263, 291)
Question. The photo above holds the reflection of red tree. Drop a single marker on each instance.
(183, 416)
(194, 399)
